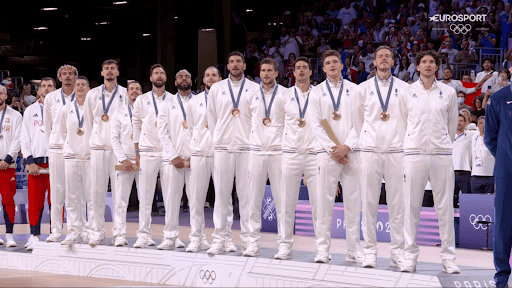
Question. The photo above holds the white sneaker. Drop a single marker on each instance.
(369, 260)
(167, 244)
(450, 267)
(229, 246)
(178, 243)
(193, 246)
(204, 244)
(143, 242)
(9, 240)
(96, 239)
(396, 260)
(244, 246)
(354, 256)
(120, 241)
(252, 250)
(284, 252)
(30, 239)
(322, 256)
(216, 248)
(1, 241)
(72, 238)
(84, 237)
(54, 237)
(409, 265)
(33, 243)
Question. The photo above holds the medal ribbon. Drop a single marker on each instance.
(2, 121)
(267, 111)
(105, 109)
(80, 121)
(382, 104)
(64, 98)
(181, 106)
(154, 103)
(302, 113)
(235, 103)
(334, 104)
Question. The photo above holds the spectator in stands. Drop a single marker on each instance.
(347, 15)
(310, 44)
(421, 22)
(346, 37)
(505, 23)
(462, 159)
(322, 48)
(328, 29)
(373, 71)
(478, 104)
(405, 69)
(285, 82)
(488, 76)
(332, 12)
(482, 180)
(464, 56)
(17, 105)
(251, 62)
(362, 75)
(348, 72)
(467, 116)
(289, 68)
(448, 48)
(466, 78)
(393, 38)
(277, 53)
(289, 42)
(364, 24)
(461, 97)
(369, 56)
(26, 96)
(487, 40)
(503, 80)
(455, 84)
(379, 34)
(315, 27)
(491, 21)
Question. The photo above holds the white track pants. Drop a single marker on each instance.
(375, 167)
(148, 173)
(102, 167)
(172, 190)
(226, 167)
(58, 189)
(293, 166)
(261, 168)
(330, 172)
(200, 173)
(78, 195)
(438, 169)
(120, 198)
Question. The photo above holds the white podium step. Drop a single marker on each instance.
(201, 270)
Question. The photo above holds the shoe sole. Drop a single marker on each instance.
(287, 257)
(120, 245)
(178, 247)
(164, 248)
(321, 261)
(140, 247)
(353, 260)
(231, 250)
(253, 255)
(451, 272)
(215, 252)
(369, 265)
(408, 270)
(192, 250)
(12, 245)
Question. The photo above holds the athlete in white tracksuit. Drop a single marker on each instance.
(381, 141)
(267, 124)
(77, 132)
(35, 151)
(174, 134)
(101, 104)
(299, 157)
(121, 137)
(54, 101)
(229, 121)
(431, 113)
(332, 162)
(201, 161)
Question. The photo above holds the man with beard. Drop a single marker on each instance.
(381, 141)
(334, 100)
(266, 152)
(174, 134)
(202, 160)
(455, 84)
(77, 134)
(100, 106)
(229, 122)
(10, 131)
(54, 101)
(121, 137)
(35, 151)
(299, 156)
(148, 152)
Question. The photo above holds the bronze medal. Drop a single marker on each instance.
(384, 116)
(156, 124)
(235, 112)
(104, 118)
(184, 124)
(302, 122)
(79, 131)
(206, 125)
(131, 136)
(267, 121)
(336, 115)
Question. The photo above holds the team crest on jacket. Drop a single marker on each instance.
(201, 105)
(223, 92)
(125, 115)
(173, 107)
(324, 95)
(292, 99)
(257, 98)
(414, 95)
(35, 115)
(440, 95)
(149, 103)
(371, 93)
(405, 178)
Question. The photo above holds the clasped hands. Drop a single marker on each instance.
(340, 154)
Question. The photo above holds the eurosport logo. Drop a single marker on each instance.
(207, 276)
(458, 28)
(473, 219)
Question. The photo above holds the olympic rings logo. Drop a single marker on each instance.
(460, 28)
(207, 276)
(473, 219)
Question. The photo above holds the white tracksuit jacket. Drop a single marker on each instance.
(33, 138)
(11, 132)
(229, 133)
(121, 132)
(52, 104)
(144, 118)
(197, 117)
(174, 138)
(75, 146)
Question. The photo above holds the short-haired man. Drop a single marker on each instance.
(54, 101)
(10, 132)
(35, 151)
(174, 134)
(487, 77)
(299, 156)
(455, 84)
(100, 105)
(267, 123)
(26, 96)
(381, 142)
(201, 147)
(462, 159)
(121, 137)
(335, 100)
(430, 111)
(498, 139)
(229, 121)
(461, 97)
(77, 152)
